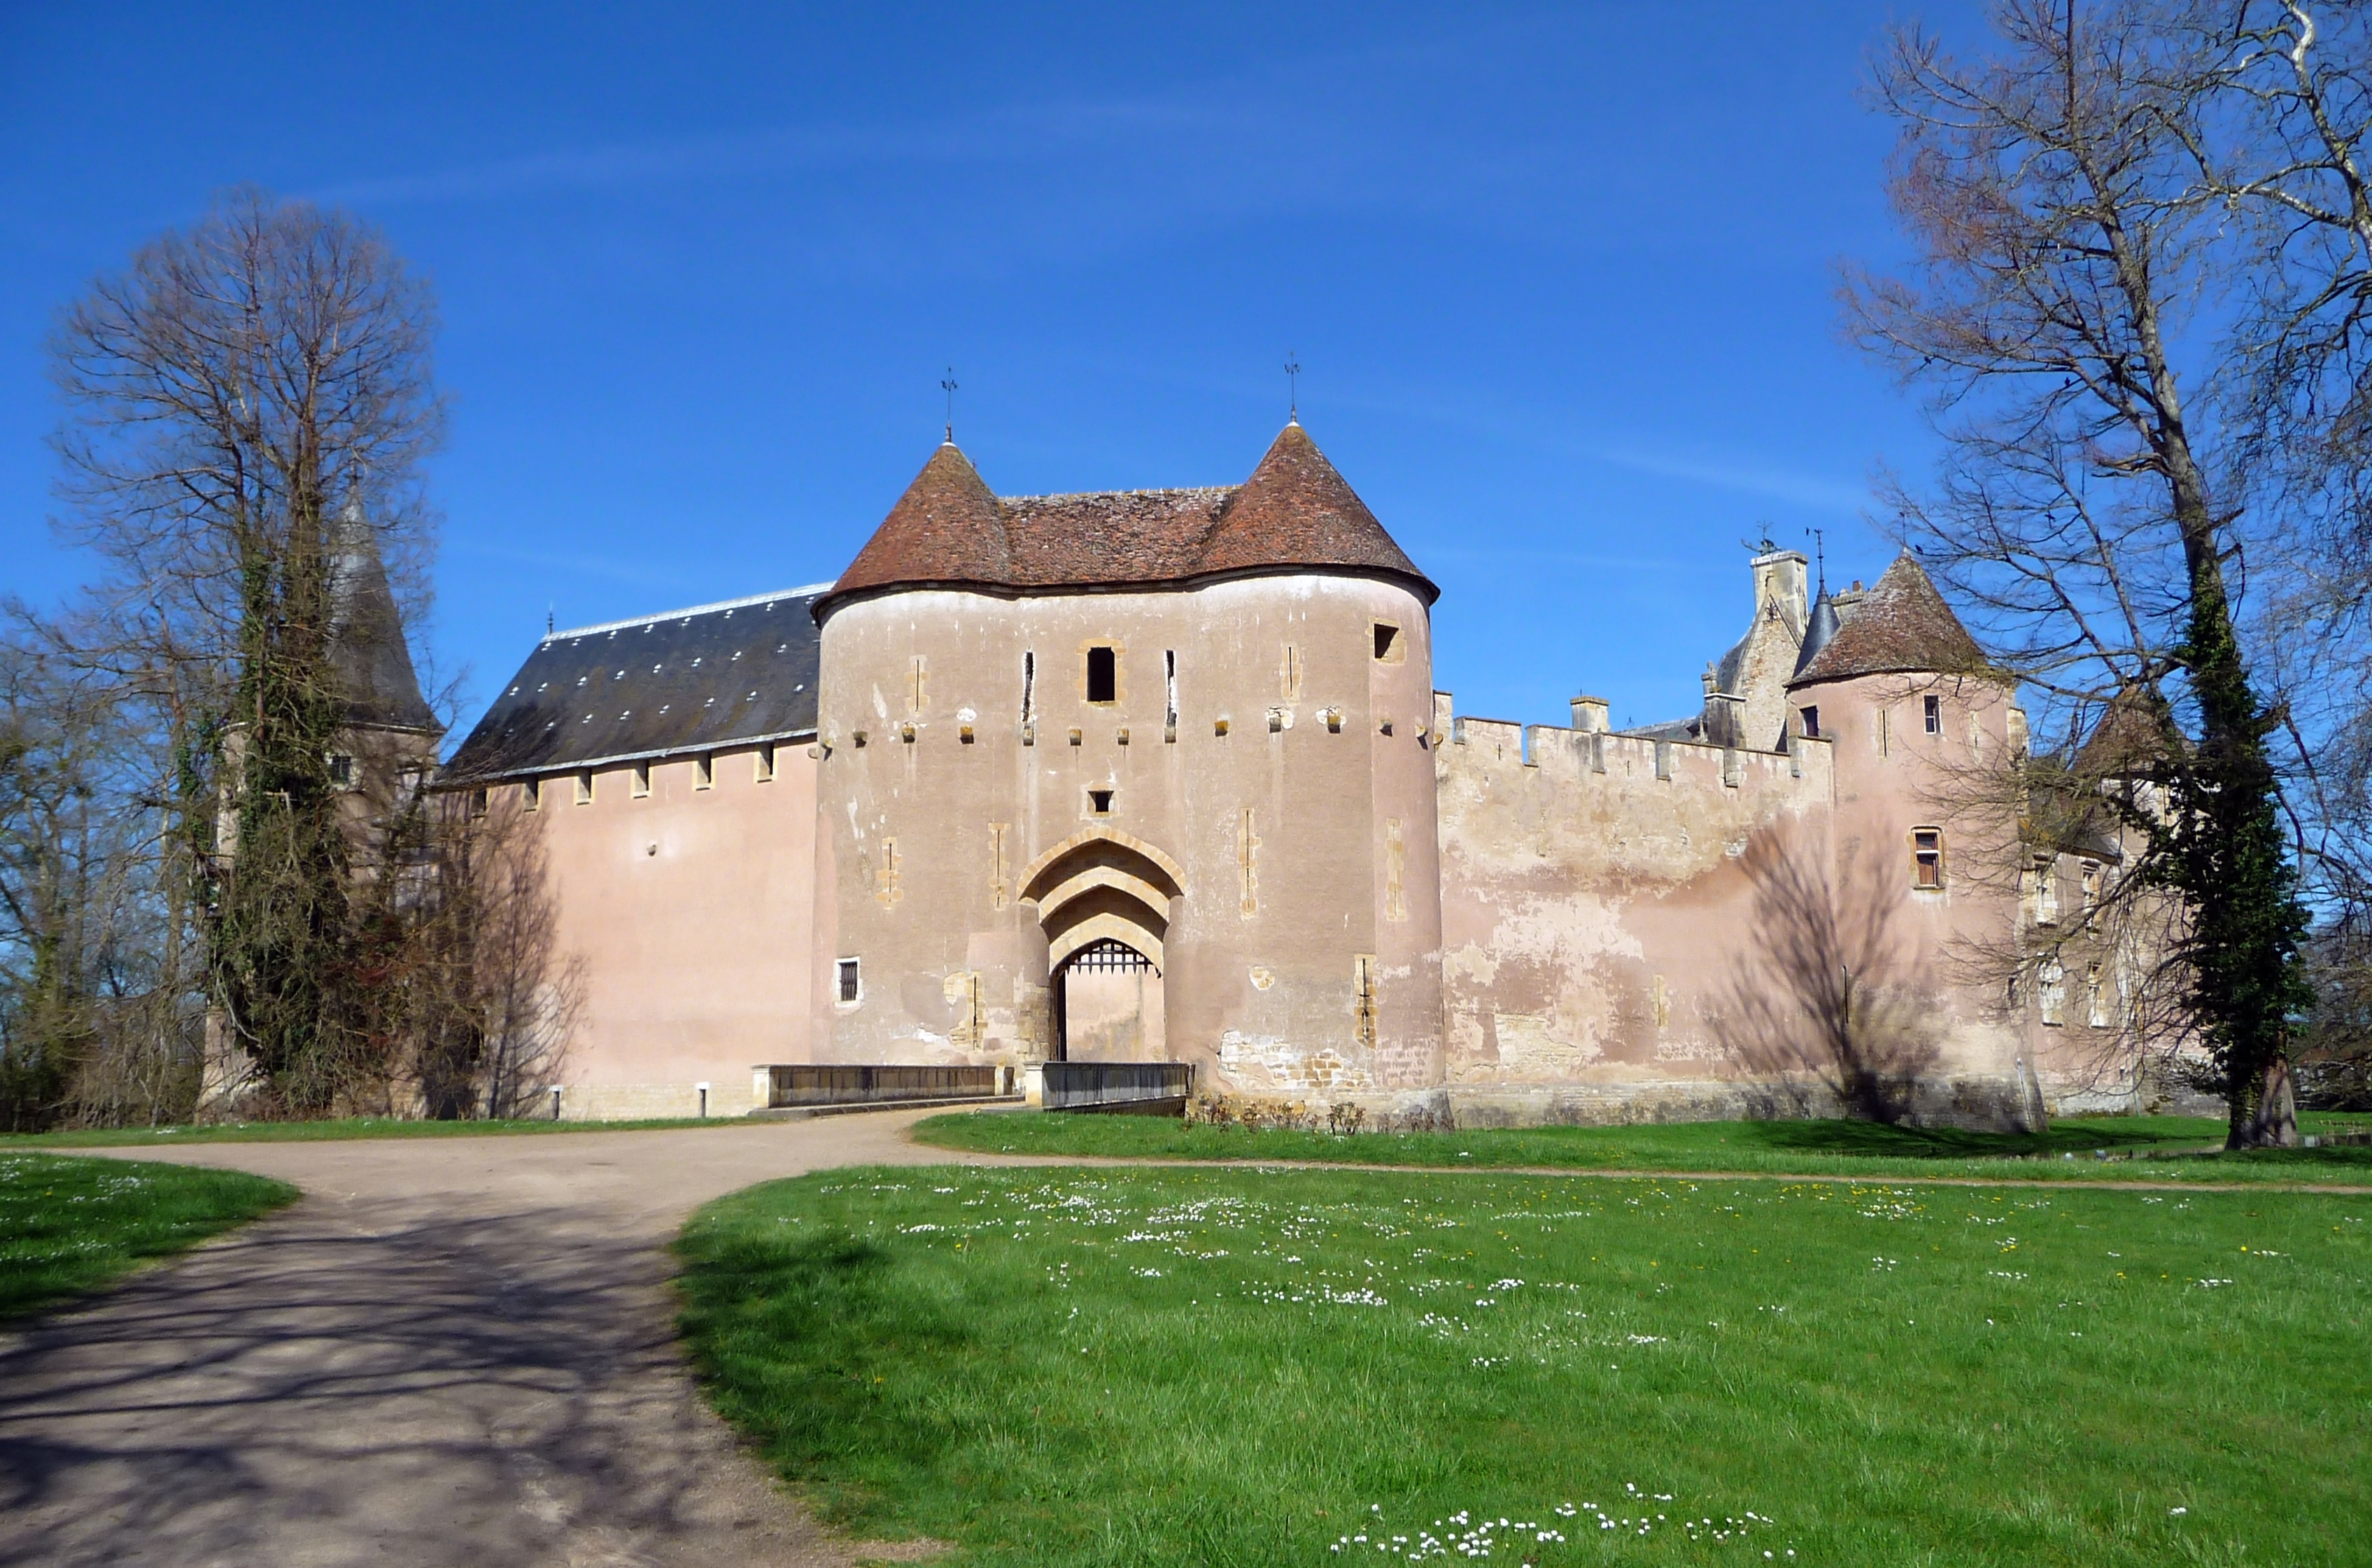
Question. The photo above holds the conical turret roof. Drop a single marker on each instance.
(947, 527)
(1297, 510)
(1818, 636)
(1296, 513)
(367, 655)
(1902, 627)
(2136, 733)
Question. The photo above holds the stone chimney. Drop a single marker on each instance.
(1590, 714)
(1780, 575)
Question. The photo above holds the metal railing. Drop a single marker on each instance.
(864, 1086)
(1086, 1086)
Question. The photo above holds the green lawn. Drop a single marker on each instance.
(344, 1127)
(71, 1225)
(1215, 1366)
(2143, 1148)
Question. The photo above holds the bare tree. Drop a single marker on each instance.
(2062, 312)
(232, 391)
(466, 981)
(1828, 1002)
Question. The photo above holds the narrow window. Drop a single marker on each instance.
(341, 770)
(1029, 688)
(641, 780)
(2096, 998)
(1927, 857)
(1934, 707)
(1390, 648)
(531, 795)
(1100, 802)
(1362, 986)
(2051, 992)
(1104, 676)
(2046, 893)
(477, 803)
(585, 788)
(1290, 672)
(848, 986)
(1885, 729)
(917, 691)
(1170, 689)
(766, 755)
(1811, 724)
(703, 771)
(2091, 884)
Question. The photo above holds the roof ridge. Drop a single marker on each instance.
(805, 590)
(1095, 495)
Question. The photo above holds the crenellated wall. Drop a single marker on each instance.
(1590, 891)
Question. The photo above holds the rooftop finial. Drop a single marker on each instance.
(550, 610)
(1293, 388)
(947, 385)
(1821, 556)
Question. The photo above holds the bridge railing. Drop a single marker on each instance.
(1133, 1086)
(851, 1085)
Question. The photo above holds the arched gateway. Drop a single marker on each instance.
(1103, 901)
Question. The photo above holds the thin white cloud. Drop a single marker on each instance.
(1814, 492)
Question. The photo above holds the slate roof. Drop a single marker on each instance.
(1826, 624)
(1295, 513)
(1903, 627)
(688, 681)
(367, 656)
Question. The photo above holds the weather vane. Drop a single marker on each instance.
(1293, 388)
(948, 386)
(1820, 555)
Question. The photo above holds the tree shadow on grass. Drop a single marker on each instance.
(1876, 1140)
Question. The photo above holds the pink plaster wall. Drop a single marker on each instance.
(691, 911)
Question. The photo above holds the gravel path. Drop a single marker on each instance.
(452, 1351)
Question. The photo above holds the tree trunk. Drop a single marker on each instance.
(2271, 1122)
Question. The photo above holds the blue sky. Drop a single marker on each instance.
(1561, 280)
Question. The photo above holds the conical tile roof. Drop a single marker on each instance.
(1902, 627)
(946, 529)
(1296, 513)
(1297, 510)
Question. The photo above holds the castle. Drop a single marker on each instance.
(1163, 775)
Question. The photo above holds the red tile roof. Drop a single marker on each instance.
(1902, 626)
(1295, 513)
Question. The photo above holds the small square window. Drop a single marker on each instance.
(531, 795)
(1927, 857)
(585, 788)
(765, 763)
(1100, 802)
(641, 780)
(1103, 675)
(341, 771)
(703, 771)
(848, 981)
(1811, 727)
(1390, 646)
(477, 803)
(1934, 709)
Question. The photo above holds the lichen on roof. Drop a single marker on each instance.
(1902, 627)
(1295, 512)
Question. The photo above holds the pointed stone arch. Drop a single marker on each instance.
(1101, 884)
